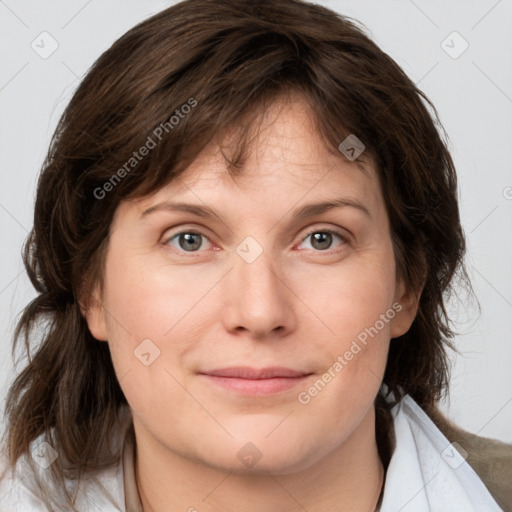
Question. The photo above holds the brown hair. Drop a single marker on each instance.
(228, 60)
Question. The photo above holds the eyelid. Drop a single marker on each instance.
(336, 231)
(185, 228)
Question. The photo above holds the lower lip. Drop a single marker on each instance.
(257, 387)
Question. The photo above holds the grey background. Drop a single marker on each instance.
(472, 92)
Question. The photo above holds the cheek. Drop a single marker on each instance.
(351, 296)
(147, 299)
(153, 303)
(351, 324)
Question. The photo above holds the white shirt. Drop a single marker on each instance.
(425, 474)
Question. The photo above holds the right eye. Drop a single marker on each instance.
(187, 241)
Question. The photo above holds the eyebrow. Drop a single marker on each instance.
(306, 211)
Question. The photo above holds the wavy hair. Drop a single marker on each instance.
(233, 58)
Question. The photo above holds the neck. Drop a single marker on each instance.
(348, 478)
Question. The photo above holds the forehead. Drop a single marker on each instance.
(287, 160)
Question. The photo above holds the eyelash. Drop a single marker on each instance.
(336, 233)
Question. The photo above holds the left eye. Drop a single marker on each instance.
(189, 241)
(322, 240)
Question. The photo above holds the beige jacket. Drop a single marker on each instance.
(490, 459)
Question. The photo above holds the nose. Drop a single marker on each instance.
(257, 299)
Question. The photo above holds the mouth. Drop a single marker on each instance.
(256, 382)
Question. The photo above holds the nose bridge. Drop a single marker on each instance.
(257, 299)
(259, 276)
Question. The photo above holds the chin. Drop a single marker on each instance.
(262, 457)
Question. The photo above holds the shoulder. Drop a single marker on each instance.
(30, 485)
(16, 494)
(490, 459)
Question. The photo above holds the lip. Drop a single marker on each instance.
(246, 372)
(256, 381)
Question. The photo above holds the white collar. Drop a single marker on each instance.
(426, 473)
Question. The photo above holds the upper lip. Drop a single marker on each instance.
(246, 372)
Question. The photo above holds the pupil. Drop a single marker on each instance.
(321, 240)
(186, 241)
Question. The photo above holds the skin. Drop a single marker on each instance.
(300, 304)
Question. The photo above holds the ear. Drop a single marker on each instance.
(94, 313)
(407, 302)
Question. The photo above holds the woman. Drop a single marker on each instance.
(243, 234)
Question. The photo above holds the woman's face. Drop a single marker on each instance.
(251, 274)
